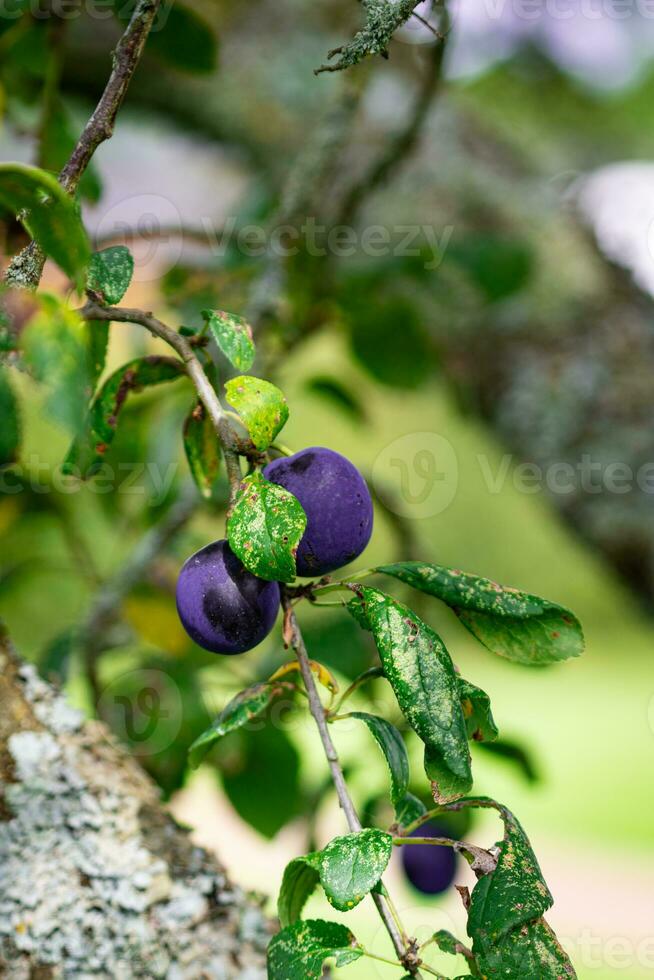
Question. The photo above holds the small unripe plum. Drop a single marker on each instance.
(428, 867)
(222, 606)
(337, 503)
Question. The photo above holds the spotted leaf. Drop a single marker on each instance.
(110, 273)
(233, 336)
(299, 951)
(476, 706)
(352, 865)
(422, 675)
(247, 704)
(265, 528)
(261, 405)
(510, 623)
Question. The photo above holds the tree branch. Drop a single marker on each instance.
(100, 126)
(403, 142)
(293, 635)
(195, 371)
(26, 268)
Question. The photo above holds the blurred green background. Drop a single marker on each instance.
(523, 335)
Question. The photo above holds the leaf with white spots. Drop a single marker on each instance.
(298, 884)
(530, 952)
(352, 865)
(476, 706)
(299, 951)
(512, 895)
(392, 745)
(233, 336)
(510, 623)
(245, 706)
(265, 528)
(261, 405)
(110, 273)
(421, 673)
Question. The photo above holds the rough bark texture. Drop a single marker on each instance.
(96, 880)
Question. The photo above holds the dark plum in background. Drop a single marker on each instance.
(428, 867)
(222, 606)
(337, 503)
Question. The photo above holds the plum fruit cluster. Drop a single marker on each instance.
(225, 608)
(429, 868)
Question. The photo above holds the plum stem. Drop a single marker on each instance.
(230, 444)
(384, 905)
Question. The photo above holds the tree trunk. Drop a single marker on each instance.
(96, 879)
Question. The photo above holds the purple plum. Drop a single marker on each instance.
(222, 606)
(336, 501)
(428, 867)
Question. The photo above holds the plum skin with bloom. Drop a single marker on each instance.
(223, 607)
(429, 867)
(337, 502)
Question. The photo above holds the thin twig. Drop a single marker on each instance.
(204, 388)
(100, 126)
(295, 639)
(402, 143)
(26, 268)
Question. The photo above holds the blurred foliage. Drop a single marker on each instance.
(515, 312)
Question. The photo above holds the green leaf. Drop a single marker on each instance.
(110, 273)
(422, 675)
(239, 711)
(408, 809)
(531, 952)
(233, 336)
(10, 423)
(512, 895)
(298, 884)
(202, 449)
(392, 745)
(446, 785)
(265, 528)
(476, 705)
(299, 951)
(56, 347)
(511, 623)
(262, 407)
(263, 785)
(87, 452)
(351, 866)
(49, 214)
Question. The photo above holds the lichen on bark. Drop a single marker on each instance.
(96, 879)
